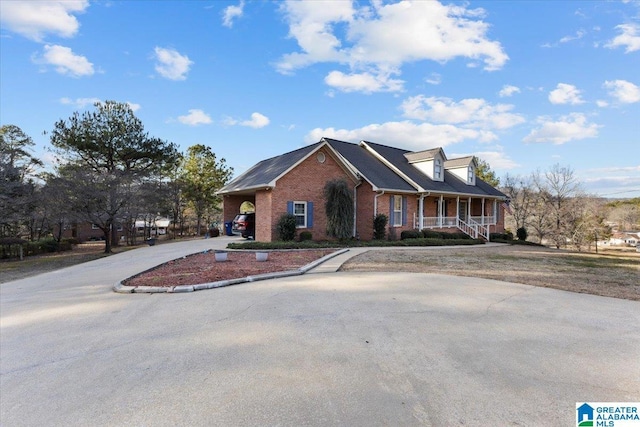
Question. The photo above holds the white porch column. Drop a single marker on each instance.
(482, 211)
(421, 212)
(495, 211)
(468, 208)
(457, 208)
(441, 210)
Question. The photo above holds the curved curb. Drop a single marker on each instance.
(123, 289)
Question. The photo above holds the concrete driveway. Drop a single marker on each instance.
(320, 349)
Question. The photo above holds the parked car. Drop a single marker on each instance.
(245, 224)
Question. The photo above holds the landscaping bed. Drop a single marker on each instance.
(203, 268)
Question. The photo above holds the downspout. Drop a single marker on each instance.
(355, 209)
(375, 203)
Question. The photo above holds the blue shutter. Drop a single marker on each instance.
(391, 215)
(404, 210)
(309, 214)
(290, 208)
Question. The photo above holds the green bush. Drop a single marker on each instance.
(501, 236)
(309, 244)
(286, 227)
(430, 234)
(410, 234)
(521, 233)
(380, 226)
(305, 235)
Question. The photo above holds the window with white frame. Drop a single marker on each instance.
(397, 211)
(300, 212)
(437, 169)
(470, 175)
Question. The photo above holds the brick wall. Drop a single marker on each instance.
(305, 183)
(364, 211)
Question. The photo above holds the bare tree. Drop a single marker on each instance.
(626, 216)
(522, 199)
(558, 187)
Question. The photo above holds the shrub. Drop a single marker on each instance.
(521, 233)
(286, 227)
(339, 209)
(380, 226)
(410, 234)
(430, 234)
(507, 236)
(305, 235)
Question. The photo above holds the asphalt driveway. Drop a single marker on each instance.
(320, 349)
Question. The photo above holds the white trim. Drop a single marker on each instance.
(304, 214)
(391, 166)
(393, 214)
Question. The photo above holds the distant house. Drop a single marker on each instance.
(86, 231)
(624, 238)
(416, 190)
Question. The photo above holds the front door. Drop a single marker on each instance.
(462, 210)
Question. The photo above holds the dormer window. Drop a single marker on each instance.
(437, 169)
(470, 174)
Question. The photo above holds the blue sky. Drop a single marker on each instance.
(523, 85)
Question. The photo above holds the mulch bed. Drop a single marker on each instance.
(203, 268)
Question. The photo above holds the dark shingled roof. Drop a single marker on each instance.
(367, 165)
(377, 173)
(263, 173)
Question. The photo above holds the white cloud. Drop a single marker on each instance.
(602, 103)
(363, 82)
(565, 94)
(79, 102)
(194, 118)
(508, 90)
(405, 134)
(65, 61)
(171, 64)
(434, 79)
(446, 32)
(134, 107)
(472, 112)
(579, 34)
(257, 121)
(629, 38)
(34, 19)
(572, 127)
(624, 91)
(230, 13)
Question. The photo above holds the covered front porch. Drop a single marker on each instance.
(474, 216)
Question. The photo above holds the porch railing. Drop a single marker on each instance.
(480, 229)
(451, 221)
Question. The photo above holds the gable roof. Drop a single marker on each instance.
(385, 168)
(266, 172)
(460, 162)
(418, 156)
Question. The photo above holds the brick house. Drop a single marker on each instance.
(416, 190)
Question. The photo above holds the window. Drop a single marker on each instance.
(303, 211)
(470, 175)
(397, 210)
(437, 174)
(95, 227)
(300, 212)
